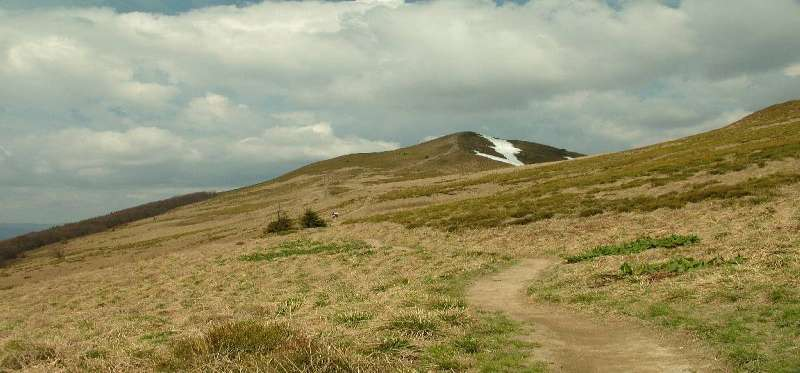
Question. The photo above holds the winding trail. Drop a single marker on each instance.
(571, 342)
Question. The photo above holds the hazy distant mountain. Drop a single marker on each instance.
(8, 230)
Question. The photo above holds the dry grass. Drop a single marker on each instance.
(376, 294)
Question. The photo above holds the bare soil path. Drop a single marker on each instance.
(573, 342)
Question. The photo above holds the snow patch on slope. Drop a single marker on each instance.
(504, 148)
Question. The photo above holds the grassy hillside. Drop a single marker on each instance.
(445, 155)
(15, 246)
(695, 238)
(748, 160)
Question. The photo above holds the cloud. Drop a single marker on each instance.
(86, 151)
(316, 141)
(4, 154)
(96, 99)
(793, 70)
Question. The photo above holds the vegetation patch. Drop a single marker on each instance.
(394, 345)
(21, 354)
(417, 323)
(353, 318)
(311, 219)
(675, 266)
(251, 345)
(634, 247)
(281, 224)
(305, 247)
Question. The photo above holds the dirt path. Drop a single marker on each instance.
(571, 342)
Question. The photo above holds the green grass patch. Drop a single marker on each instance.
(306, 247)
(352, 318)
(394, 345)
(675, 265)
(158, 337)
(417, 324)
(634, 247)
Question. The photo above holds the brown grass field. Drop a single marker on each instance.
(203, 288)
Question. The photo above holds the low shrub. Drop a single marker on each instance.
(282, 224)
(310, 219)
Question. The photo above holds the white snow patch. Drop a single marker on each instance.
(568, 158)
(504, 148)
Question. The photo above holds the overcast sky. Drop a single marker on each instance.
(106, 104)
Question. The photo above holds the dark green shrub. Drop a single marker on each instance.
(280, 225)
(310, 219)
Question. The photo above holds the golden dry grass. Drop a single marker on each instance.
(122, 300)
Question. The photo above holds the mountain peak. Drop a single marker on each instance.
(453, 153)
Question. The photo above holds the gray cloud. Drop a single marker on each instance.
(94, 101)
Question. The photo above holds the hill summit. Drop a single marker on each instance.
(457, 152)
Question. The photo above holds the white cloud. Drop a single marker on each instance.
(793, 70)
(104, 98)
(316, 141)
(4, 154)
(215, 112)
(92, 152)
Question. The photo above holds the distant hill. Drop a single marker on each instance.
(8, 230)
(10, 248)
(458, 152)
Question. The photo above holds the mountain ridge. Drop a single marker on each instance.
(453, 153)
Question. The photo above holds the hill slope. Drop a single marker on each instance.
(747, 159)
(444, 155)
(696, 239)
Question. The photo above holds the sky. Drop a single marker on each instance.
(106, 104)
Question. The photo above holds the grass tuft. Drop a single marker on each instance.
(283, 224)
(255, 346)
(21, 354)
(353, 318)
(634, 247)
(418, 324)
